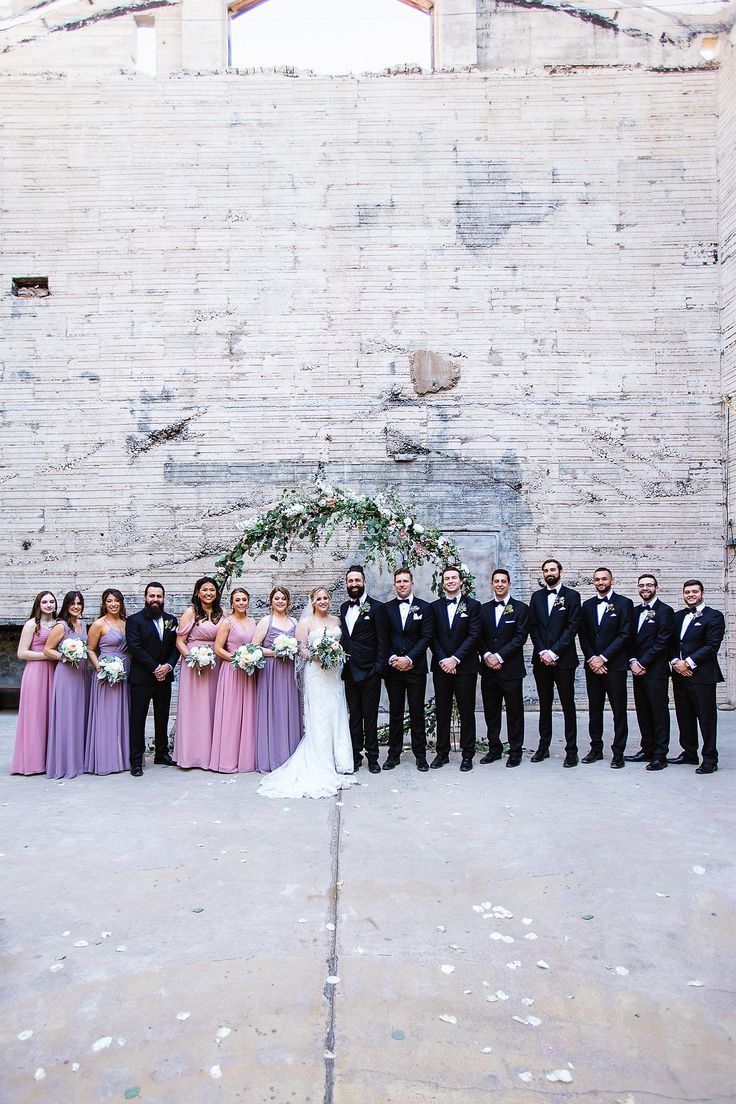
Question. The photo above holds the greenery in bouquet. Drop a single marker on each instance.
(248, 658)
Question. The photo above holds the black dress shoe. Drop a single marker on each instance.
(571, 761)
(682, 758)
(592, 756)
(466, 765)
(707, 768)
(640, 757)
(357, 765)
(539, 755)
(492, 757)
(439, 761)
(390, 763)
(513, 761)
(617, 762)
(164, 760)
(374, 768)
(137, 772)
(657, 764)
(422, 765)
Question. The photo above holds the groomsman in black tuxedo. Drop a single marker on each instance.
(699, 632)
(605, 638)
(364, 638)
(554, 615)
(504, 629)
(455, 666)
(652, 627)
(151, 637)
(409, 623)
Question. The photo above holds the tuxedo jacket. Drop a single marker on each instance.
(459, 640)
(700, 643)
(411, 639)
(148, 650)
(555, 632)
(506, 639)
(612, 637)
(366, 647)
(651, 644)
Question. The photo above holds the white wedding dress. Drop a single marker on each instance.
(323, 762)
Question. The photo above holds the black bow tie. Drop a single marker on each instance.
(355, 601)
(405, 602)
(552, 592)
(603, 600)
(497, 604)
(451, 601)
(649, 607)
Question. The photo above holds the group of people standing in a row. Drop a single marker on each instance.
(89, 714)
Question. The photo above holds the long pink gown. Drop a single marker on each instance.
(196, 709)
(32, 730)
(234, 728)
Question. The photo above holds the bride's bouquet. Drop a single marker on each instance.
(112, 670)
(328, 652)
(285, 647)
(248, 658)
(201, 656)
(73, 651)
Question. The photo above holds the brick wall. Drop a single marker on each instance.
(727, 234)
(242, 267)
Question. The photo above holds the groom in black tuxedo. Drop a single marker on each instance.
(554, 615)
(651, 639)
(409, 623)
(151, 637)
(364, 638)
(504, 629)
(455, 666)
(605, 638)
(699, 632)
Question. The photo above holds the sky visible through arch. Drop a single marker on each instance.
(331, 36)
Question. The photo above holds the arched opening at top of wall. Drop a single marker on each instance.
(333, 37)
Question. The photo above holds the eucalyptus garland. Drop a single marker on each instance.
(389, 532)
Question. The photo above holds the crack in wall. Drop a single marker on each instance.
(586, 16)
(332, 959)
(89, 20)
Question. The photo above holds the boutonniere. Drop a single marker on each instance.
(650, 615)
(559, 602)
(696, 616)
(168, 624)
(610, 608)
(509, 609)
(364, 609)
(414, 609)
(461, 609)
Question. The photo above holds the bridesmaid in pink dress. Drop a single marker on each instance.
(29, 754)
(197, 685)
(234, 729)
(107, 747)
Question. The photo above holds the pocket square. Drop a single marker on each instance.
(463, 615)
(417, 616)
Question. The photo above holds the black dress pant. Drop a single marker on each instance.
(140, 701)
(695, 705)
(652, 704)
(400, 686)
(612, 686)
(363, 699)
(547, 678)
(495, 691)
(461, 688)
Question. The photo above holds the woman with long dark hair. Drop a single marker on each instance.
(195, 640)
(108, 741)
(234, 726)
(67, 645)
(278, 705)
(31, 733)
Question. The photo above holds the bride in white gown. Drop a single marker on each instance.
(323, 762)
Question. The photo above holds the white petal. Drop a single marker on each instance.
(447, 1018)
(223, 1032)
(447, 969)
(492, 998)
(496, 935)
(487, 1050)
(81, 943)
(333, 979)
(560, 1075)
(622, 971)
(328, 1054)
(105, 935)
(330, 927)
(102, 1043)
(696, 984)
(533, 1021)
(215, 1072)
(485, 905)
(56, 967)
(25, 1035)
(542, 964)
(527, 920)
(477, 908)
(528, 1001)
(40, 1073)
(531, 935)
(75, 1066)
(183, 1015)
(526, 1076)
(501, 995)
(698, 870)
(662, 895)
(440, 927)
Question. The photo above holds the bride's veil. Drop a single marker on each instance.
(300, 662)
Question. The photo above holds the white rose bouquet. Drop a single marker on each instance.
(201, 656)
(285, 647)
(73, 651)
(328, 652)
(248, 658)
(112, 670)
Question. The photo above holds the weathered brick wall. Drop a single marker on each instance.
(242, 267)
(727, 234)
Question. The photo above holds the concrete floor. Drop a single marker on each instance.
(210, 920)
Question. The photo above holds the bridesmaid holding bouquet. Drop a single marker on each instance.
(67, 645)
(195, 639)
(108, 742)
(234, 727)
(278, 704)
(31, 734)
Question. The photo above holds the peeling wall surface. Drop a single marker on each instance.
(498, 292)
(727, 196)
